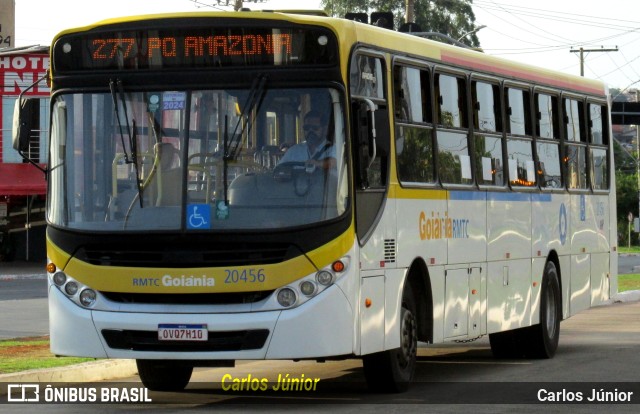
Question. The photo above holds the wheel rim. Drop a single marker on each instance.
(551, 313)
(407, 338)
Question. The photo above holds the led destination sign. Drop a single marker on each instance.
(276, 45)
(188, 47)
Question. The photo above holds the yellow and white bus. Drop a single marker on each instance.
(454, 195)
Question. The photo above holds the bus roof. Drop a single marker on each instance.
(400, 43)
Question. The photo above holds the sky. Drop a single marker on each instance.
(542, 32)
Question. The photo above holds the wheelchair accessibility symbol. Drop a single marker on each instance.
(198, 216)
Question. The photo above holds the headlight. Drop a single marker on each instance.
(59, 278)
(287, 297)
(88, 297)
(307, 288)
(71, 288)
(324, 277)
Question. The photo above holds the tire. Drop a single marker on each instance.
(542, 339)
(392, 371)
(158, 375)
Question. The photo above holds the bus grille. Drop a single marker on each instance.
(218, 341)
(227, 255)
(188, 298)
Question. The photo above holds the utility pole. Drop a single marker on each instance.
(638, 154)
(583, 50)
(409, 14)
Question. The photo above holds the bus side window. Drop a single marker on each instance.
(522, 171)
(548, 141)
(575, 139)
(454, 160)
(414, 129)
(598, 143)
(488, 138)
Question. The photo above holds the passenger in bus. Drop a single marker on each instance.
(317, 150)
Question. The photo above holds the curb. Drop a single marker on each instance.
(85, 372)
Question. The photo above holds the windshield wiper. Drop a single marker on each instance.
(231, 149)
(133, 139)
(254, 99)
(114, 98)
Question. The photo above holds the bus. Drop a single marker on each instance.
(456, 195)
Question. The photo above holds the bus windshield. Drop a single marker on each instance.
(197, 160)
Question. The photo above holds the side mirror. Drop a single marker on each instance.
(25, 113)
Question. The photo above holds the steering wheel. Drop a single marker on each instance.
(286, 171)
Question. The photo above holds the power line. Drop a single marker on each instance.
(582, 52)
(572, 18)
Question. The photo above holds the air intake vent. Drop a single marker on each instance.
(210, 255)
(389, 251)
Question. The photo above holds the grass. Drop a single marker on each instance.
(31, 353)
(628, 282)
(625, 249)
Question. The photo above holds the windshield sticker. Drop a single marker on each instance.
(173, 101)
(154, 102)
(222, 210)
(198, 216)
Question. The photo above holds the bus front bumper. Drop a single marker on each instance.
(321, 327)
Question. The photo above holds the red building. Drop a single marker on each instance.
(22, 186)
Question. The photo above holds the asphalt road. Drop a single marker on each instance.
(598, 351)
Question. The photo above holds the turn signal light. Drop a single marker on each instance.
(51, 268)
(337, 266)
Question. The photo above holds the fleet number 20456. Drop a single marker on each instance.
(245, 276)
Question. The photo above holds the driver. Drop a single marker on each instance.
(317, 150)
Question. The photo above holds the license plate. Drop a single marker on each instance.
(176, 332)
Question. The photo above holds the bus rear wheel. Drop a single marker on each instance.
(542, 339)
(158, 375)
(392, 371)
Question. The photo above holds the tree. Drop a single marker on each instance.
(451, 17)
(627, 197)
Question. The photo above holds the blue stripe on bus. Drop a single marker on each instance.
(499, 196)
(468, 195)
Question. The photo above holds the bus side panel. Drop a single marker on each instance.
(373, 252)
(565, 282)
(394, 284)
(547, 233)
(583, 243)
(437, 279)
(580, 283)
(602, 220)
(600, 278)
(508, 226)
(537, 271)
(466, 225)
(416, 235)
(508, 295)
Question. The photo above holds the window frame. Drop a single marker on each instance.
(465, 117)
(606, 138)
(429, 125)
(528, 136)
(581, 143)
(499, 133)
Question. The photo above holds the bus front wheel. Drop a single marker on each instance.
(158, 375)
(392, 370)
